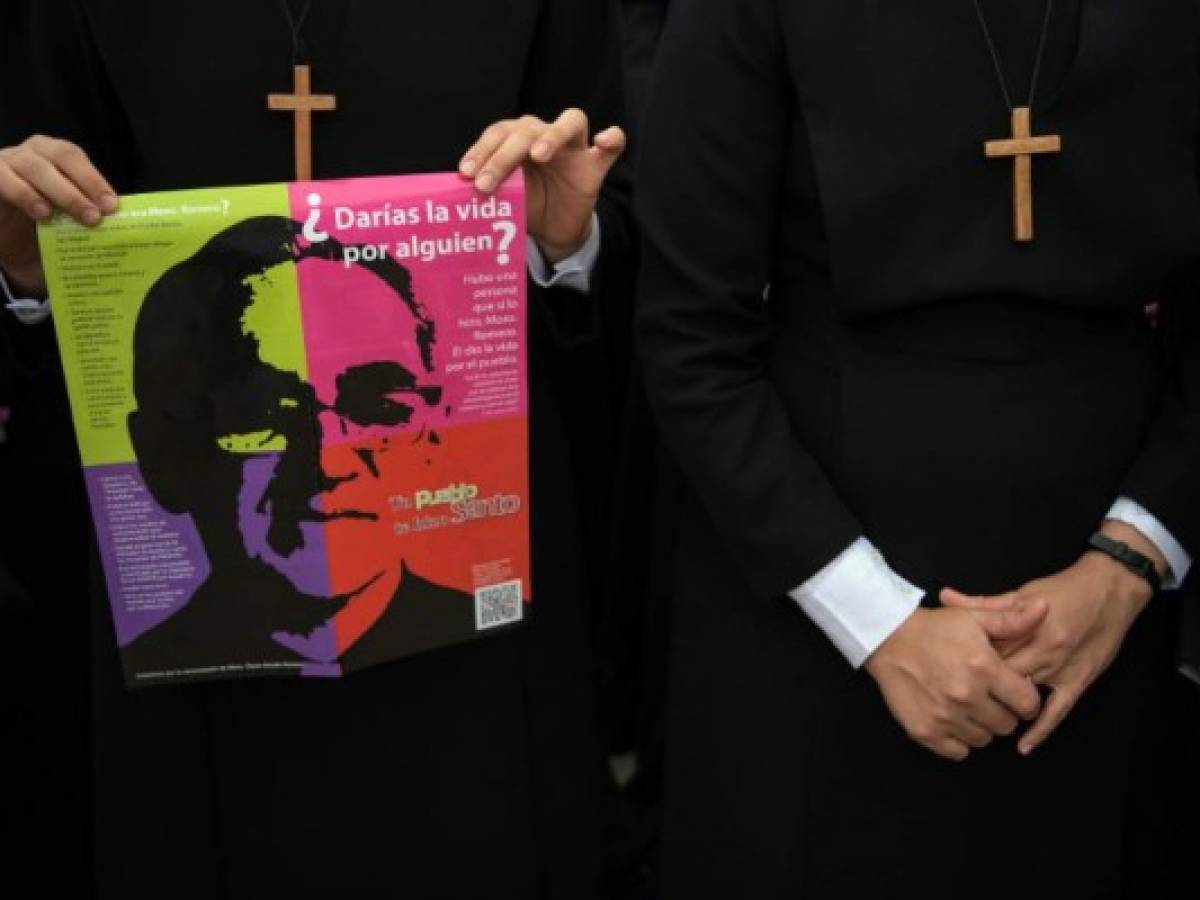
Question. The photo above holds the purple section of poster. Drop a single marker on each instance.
(306, 567)
(153, 560)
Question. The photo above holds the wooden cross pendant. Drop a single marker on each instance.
(303, 103)
(1021, 147)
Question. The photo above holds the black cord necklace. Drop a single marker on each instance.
(296, 25)
(998, 64)
(301, 103)
(1023, 144)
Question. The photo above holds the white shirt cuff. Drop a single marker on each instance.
(1134, 514)
(575, 271)
(27, 310)
(858, 601)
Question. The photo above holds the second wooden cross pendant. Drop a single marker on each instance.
(1021, 147)
(303, 103)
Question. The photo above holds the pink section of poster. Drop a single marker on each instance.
(465, 254)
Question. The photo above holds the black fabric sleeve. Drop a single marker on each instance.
(1166, 478)
(575, 61)
(711, 173)
(53, 82)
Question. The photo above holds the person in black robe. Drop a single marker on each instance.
(45, 521)
(636, 570)
(854, 361)
(462, 772)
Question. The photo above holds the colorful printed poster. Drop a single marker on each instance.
(302, 414)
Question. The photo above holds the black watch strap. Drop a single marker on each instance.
(1137, 563)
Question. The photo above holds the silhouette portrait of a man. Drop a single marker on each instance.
(280, 450)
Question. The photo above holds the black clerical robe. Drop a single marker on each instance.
(458, 773)
(842, 339)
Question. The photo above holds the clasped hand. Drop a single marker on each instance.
(945, 682)
(1090, 608)
(957, 677)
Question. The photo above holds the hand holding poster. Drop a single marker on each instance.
(302, 416)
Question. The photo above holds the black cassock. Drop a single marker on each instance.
(466, 772)
(970, 405)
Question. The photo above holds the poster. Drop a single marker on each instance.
(302, 416)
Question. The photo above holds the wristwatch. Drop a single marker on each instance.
(1137, 563)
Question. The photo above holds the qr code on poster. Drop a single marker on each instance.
(498, 604)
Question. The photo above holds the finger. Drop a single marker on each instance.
(1058, 707)
(1012, 624)
(1008, 649)
(78, 168)
(508, 156)
(1037, 662)
(45, 178)
(609, 146)
(569, 130)
(995, 717)
(17, 192)
(952, 597)
(1017, 693)
(491, 139)
(950, 748)
(611, 141)
(971, 733)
